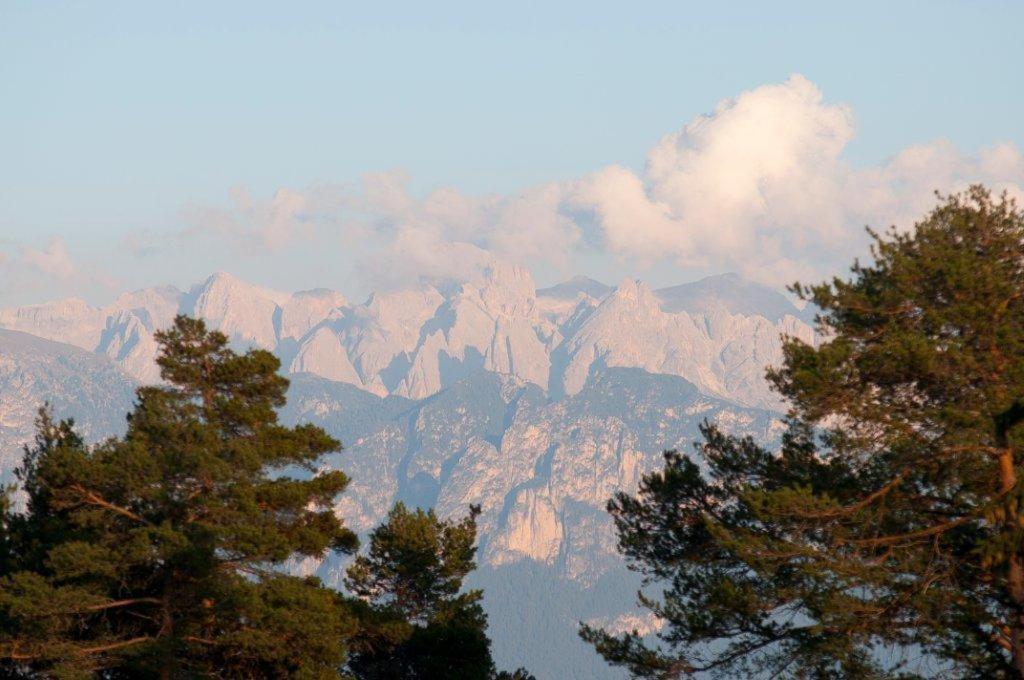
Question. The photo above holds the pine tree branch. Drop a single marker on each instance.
(122, 603)
(1001, 641)
(102, 607)
(114, 645)
(859, 505)
(744, 650)
(1002, 636)
(14, 655)
(898, 538)
(92, 498)
(995, 451)
(199, 640)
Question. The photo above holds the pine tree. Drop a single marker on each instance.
(885, 539)
(159, 553)
(416, 623)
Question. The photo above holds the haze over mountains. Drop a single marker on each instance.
(536, 404)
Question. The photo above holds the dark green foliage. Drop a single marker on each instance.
(159, 553)
(414, 621)
(885, 539)
(416, 563)
(517, 674)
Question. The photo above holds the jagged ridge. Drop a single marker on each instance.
(718, 333)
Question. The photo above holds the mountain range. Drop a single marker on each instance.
(718, 332)
(536, 404)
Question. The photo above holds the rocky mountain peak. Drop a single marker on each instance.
(718, 332)
(633, 293)
(225, 285)
(730, 293)
(536, 405)
(574, 288)
(504, 290)
(306, 309)
(244, 312)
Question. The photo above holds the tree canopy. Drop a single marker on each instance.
(159, 553)
(885, 538)
(164, 553)
(416, 623)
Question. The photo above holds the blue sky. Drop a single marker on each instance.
(124, 121)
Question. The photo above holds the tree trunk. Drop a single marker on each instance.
(167, 628)
(1015, 584)
(1015, 568)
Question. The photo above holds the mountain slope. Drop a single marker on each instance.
(723, 353)
(536, 405)
(77, 384)
(541, 470)
(729, 293)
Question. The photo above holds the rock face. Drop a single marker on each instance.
(722, 353)
(535, 405)
(542, 471)
(77, 384)
(416, 342)
(732, 294)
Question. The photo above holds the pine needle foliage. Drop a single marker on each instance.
(160, 553)
(886, 539)
(416, 623)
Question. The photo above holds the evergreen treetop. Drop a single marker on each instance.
(885, 538)
(158, 553)
(415, 621)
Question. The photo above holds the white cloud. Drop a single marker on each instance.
(398, 236)
(759, 185)
(752, 186)
(52, 260)
(255, 226)
(448, 234)
(48, 270)
(249, 226)
(768, 155)
(902, 190)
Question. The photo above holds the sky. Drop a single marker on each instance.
(365, 146)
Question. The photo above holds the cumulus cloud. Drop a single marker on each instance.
(759, 185)
(248, 225)
(52, 260)
(257, 226)
(761, 174)
(27, 269)
(399, 237)
(901, 190)
(448, 234)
